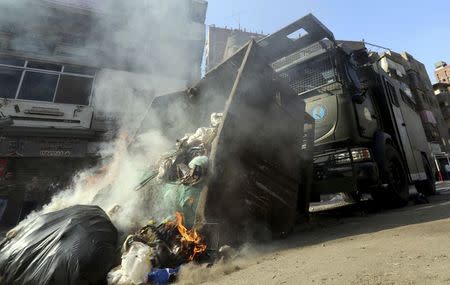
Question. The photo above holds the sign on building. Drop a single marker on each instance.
(42, 147)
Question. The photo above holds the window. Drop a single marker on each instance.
(79, 70)
(198, 11)
(74, 90)
(43, 65)
(9, 81)
(38, 86)
(11, 61)
(47, 82)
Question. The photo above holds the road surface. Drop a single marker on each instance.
(348, 246)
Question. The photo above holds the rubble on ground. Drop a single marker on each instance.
(155, 253)
(154, 248)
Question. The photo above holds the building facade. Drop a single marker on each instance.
(442, 89)
(52, 55)
(442, 92)
(221, 43)
(442, 72)
(412, 72)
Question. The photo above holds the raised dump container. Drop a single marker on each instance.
(261, 154)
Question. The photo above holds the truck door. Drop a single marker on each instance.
(401, 127)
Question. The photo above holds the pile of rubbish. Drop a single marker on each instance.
(80, 245)
(155, 253)
(180, 176)
(76, 245)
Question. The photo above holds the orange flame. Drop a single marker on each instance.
(190, 238)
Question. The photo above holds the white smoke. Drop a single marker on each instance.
(154, 38)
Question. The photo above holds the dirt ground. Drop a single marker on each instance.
(349, 246)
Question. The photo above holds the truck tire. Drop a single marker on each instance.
(427, 187)
(393, 175)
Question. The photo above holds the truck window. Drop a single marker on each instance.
(311, 74)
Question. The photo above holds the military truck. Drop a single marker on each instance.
(369, 137)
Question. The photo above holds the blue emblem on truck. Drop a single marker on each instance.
(319, 112)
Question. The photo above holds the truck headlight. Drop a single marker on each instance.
(361, 154)
(342, 158)
(358, 155)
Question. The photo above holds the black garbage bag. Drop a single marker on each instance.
(74, 246)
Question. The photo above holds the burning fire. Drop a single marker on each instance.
(190, 239)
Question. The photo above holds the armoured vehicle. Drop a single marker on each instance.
(369, 137)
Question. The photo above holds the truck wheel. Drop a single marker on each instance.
(427, 187)
(393, 174)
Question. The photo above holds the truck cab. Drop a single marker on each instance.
(369, 137)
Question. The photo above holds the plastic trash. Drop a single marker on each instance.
(136, 262)
(199, 161)
(118, 277)
(216, 119)
(74, 246)
(163, 276)
(202, 135)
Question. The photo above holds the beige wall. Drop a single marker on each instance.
(443, 74)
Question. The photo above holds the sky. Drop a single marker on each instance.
(419, 27)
